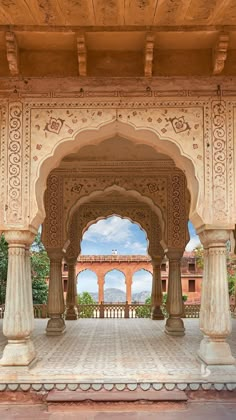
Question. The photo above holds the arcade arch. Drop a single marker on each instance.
(115, 279)
(141, 282)
(86, 281)
(158, 180)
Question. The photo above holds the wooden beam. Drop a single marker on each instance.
(148, 58)
(82, 54)
(119, 28)
(220, 53)
(12, 53)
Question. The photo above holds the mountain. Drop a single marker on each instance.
(113, 295)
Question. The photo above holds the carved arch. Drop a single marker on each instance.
(87, 215)
(106, 130)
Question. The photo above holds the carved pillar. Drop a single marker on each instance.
(128, 282)
(156, 297)
(56, 305)
(174, 304)
(71, 296)
(101, 282)
(18, 318)
(215, 316)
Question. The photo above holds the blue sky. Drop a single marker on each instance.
(115, 233)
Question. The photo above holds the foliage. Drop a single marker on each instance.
(144, 311)
(40, 266)
(198, 253)
(40, 291)
(3, 268)
(85, 299)
(231, 272)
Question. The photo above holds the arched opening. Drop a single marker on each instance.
(110, 132)
(114, 287)
(141, 285)
(113, 235)
(87, 282)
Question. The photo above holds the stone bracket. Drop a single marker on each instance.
(82, 55)
(12, 53)
(148, 57)
(220, 53)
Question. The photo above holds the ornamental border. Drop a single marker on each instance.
(118, 386)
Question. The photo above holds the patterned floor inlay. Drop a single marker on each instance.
(118, 350)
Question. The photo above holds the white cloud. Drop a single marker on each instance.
(87, 282)
(142, 280)
(136, 247)
(113, 229)
(193, 243)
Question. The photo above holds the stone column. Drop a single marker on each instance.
(101, 288)
(215, 316)
(56, 305)
(128, 282)
(156, 297)
(174, 304)
(18, 318)
(71, 296)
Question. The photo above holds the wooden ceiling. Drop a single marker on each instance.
(117, 12)
(117, 38)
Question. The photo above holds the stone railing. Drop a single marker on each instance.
(117, 310)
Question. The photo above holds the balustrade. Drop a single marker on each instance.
(114, 310)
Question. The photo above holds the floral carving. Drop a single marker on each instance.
(177, 213)
(14, 163)
(219, 159)
(179, 124)
(54, 125)
(53, 222)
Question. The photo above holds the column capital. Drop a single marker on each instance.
(214, 237)
(156, 261)
(175, 254)
(21, 237)
(70, 260)
(55, 254)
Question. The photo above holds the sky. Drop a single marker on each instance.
(115, 233)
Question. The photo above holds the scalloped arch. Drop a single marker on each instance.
(94, 136)
(126, 193)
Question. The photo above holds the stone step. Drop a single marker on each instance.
(55, 396)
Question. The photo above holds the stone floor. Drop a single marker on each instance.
(118, 351)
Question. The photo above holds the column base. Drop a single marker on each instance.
(71, 313)
(156, 313)
(55, 326)
(175, 326)
(215, 352)
(18, 353)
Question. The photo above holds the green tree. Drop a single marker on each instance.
(85, 299)
(3, 268)
(144, 311)
(40, 266)
(198, 253)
